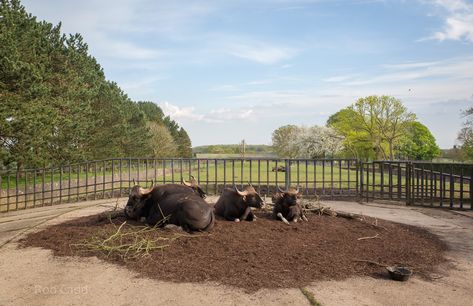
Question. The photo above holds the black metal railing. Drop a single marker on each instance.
(414, 183)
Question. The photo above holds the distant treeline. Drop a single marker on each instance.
(57, 107)
(233, 149)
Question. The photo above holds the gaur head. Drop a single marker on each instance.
(195, 186)
(250, 196)
(135, 206)
(290, 196)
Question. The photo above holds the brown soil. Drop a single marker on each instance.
(262, 254)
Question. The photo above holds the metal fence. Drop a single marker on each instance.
(413, 183)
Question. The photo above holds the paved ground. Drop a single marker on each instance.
(32, 276)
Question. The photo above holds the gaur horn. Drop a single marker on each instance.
(186, 183)
(241, 193)
(280, 190)
(145, 191)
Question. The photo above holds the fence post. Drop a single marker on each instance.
(287, 174)
(408, 182)
(360, 181)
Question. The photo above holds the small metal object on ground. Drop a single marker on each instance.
(399, 273)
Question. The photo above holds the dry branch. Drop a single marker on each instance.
(371, 237)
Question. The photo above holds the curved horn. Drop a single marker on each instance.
(297, 190)
(144, 191)
(185, 183)
(241, 193)
(152, 183)
(280, 190)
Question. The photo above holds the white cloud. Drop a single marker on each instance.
(458, 22)
(219, 115)
(180, 113)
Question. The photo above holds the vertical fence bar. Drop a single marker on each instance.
(8, 191)
(340, 176)
(348, 176)
(452, 187)
(251, 169)
(399, 181)
(104, 174)
(441, 185)
(408, 183)
(34, 186)
(164, 171)
(381, 168)
(368, 181)
(120, 170)
(198, 170)
(390, 180)
(233, 172)
(461, 186)
(216, 176)
(267, 177)
(16, 190)
(95, 180)
(306, 177)
(241, 172)
(298, 172)
(331, 179)
(207, 176)
(52, 187)
(155, 164)
(433, 182)
(26, 189)
(276, 174)
(87, 180)
(68, 184)
(471, 187)
(224, 173)
(358, 181)
(113, 178)
(315, 177)
(422, 185)
(374, 180)
(259, 176)
(323, 177)
(60, 183)
(78, 183)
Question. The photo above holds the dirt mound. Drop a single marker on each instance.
(262, 254)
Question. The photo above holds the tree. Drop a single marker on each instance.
(418, 143)
(163, 144)
(385, 119)
(184, 145)
(318, 142)
(56, 105)
(284, 141)
(465, 136)
(357, 141)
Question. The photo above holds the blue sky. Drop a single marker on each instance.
(233, 70)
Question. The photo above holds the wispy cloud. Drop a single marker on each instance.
(458, 68)
(259, 51)
(458, 24)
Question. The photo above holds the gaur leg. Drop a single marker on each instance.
(229, 217)
(294, 214)
(280, 216)
(251, 217)
(246, 214)
(304, 218)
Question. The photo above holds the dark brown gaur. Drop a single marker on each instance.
(235, 205)
(286, 205)
(171, 203)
